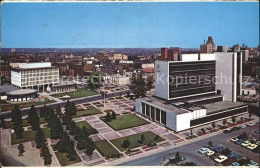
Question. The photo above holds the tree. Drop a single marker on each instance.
(56, 129)
(249, 115)
(224, 122)
(108, 117)
(202, 130)
(113, 116)
(33, 118)
(20, 149)
(233, 118)
(63, 143)
(58, 111)
(95, 80)
(70, 108)
(243, 135)
(45, 153)
(213, 125)
(39, 138)
(126, 143)
(177, 156)
(156, 137)
(142, 139)
(16, 116)
(2, 124)
(191, 133)
(149, 82)
(210, 143)
(90, 148)
(241, 119)
(138, 85)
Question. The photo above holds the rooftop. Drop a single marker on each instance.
(22, 92)
(164, 104)
(220, 106)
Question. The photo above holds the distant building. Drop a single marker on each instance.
(117, 79)
(13, 50)
(5, 69)
(209, 47)
(222, 48)
(170, 54)
(35, 75)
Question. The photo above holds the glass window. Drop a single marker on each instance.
(163, 113)
(147, 110)
(157, 115)
(152, 112)
(143, 108)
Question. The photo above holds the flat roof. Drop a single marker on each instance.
(221, 106)
(22, 92)
(164, 104)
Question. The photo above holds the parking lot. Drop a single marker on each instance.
(190, 150)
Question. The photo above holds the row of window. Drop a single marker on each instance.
(191, 92)
(154, 113)
(217, 116)
(39, 70)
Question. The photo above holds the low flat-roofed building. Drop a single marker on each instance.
(21, 95)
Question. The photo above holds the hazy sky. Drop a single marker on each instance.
(83, 25)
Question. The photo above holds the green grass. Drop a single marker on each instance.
(126, 121)
(83, 123)
(87, 112)
(28, 136)
(149, 137)
(105, 148)
(5, 106)
(10, 124)
(80, 92)
(64, 161)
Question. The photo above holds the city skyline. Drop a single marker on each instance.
(128, 25)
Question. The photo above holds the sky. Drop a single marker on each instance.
(128, 25)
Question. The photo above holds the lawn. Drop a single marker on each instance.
(126, 121)
(5, 106)
(10, 124)
(64, 161)
(87, 112)
(80, 92)
(28, 136)
(83, 123)
(106, 149)
(149, 137)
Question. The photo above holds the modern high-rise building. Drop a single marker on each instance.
(35, 75)
(195, 90)
(209, 47)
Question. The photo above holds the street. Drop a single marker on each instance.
(190, 150)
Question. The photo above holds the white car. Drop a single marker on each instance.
(251, 124)
(242, 126)
(251, 146)
(203, 150)
(209, 153)
(233, 139)
(221, 158)
(246, 143)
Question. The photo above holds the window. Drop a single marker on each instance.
(163, 113)
(147, 110)
(157, 115)
(152, 113)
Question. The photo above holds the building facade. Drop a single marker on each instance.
(209, 47)
(35, 75)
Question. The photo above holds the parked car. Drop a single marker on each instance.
(252, 163)
(232, 154)
(256, 131)
(220, 149)
(182, 158)
(239, 141)
(214, 146)
(233, 139)
(209, 153)
(227, 131)
(242, 126)
(257, 142)
(251, 146)
(203, 150)
(251, 123)
(235, 129)
(228, 161)
(237, 157)
(234, 164)
(221, 158)
(246, 143)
